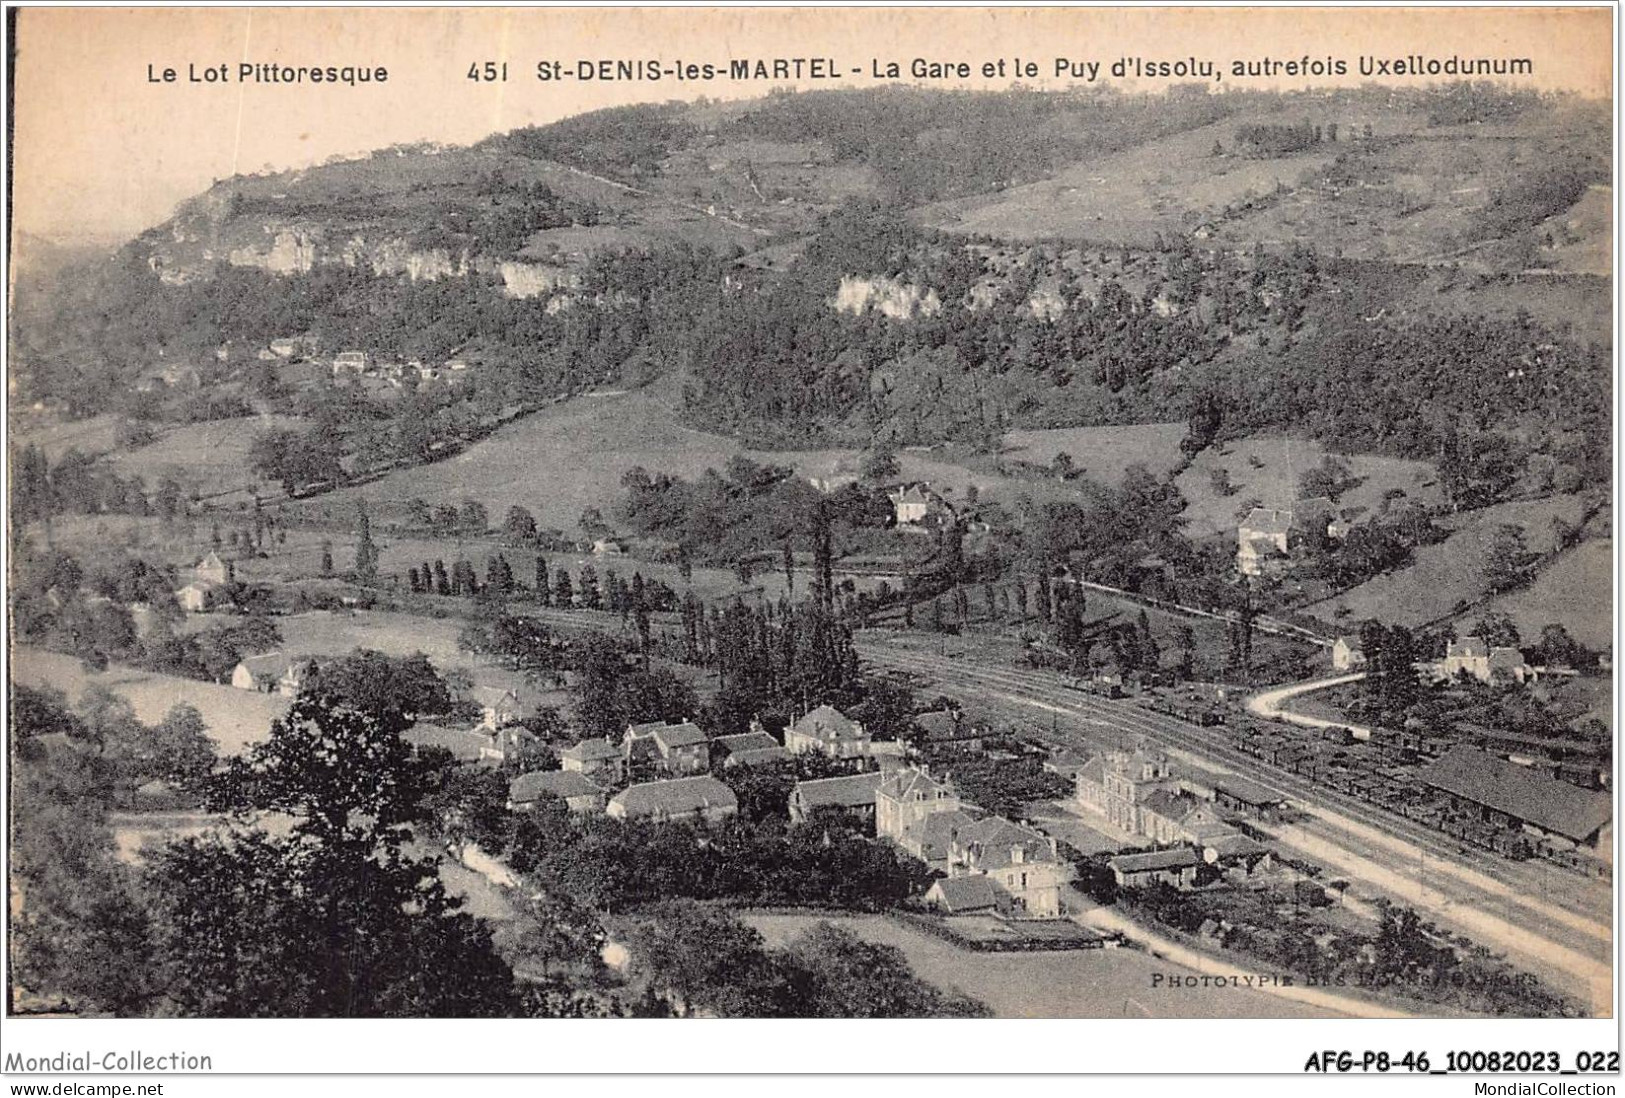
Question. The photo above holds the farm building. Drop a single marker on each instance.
(702, 798)
(747, 749)
(962, 895)
(199, 598)
(212, 570)
(851, 795)
(1241, 795)
(916, 505)
(1176, 866)
(1505, 794)
(580, 795)
(1268, 534)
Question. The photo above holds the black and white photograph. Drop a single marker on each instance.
(584, 515)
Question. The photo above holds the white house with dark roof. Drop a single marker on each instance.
(272, 673)
(1268, 534)
(499, 706)
(1347, 654)
(675, 749)
(1474, 656)
(1021, 863)
(600, 760)
(702, 799)
(827, 731)
(915, 505)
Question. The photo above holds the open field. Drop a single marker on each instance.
(1131, 196)
(1091, 983)
(1389, 187)
(556, 463)
(1274, 482)
(1581, 234)
(235, 718)
(55, 436)
(1574, 590)
(571, 456)
(1102, 453)
(1450, 574)
(210, 457)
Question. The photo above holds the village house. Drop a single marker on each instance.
(465, 745)
(1238, 857)
(851, 795)
(1089, 785)
(1066, 764)
(578, 794)
(827, 731)
(702, 799)
(512, 743)
(1168, 817)
(1021, 863)
(1268, 535)
(599, 760)
(747, 749)
(212, 569)
(915, 506)
(920, 814)
(499, 707)
(1175, 866)
(288, 346)
(839, 474)
(888, 754)
(1475, 657)
(199, 598)
(273, 673)
(1347, 655)
(672, 749)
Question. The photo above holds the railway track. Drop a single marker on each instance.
(1543, 896)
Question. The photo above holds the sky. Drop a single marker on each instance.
(101, 151)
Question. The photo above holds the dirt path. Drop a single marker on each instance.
(1271, 704)
(1105, 919)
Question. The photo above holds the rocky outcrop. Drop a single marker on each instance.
(898, 300)
(536, 280)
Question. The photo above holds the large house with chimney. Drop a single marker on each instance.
(1267, 536)
(672, 750)
(927, 819)
(827, 731)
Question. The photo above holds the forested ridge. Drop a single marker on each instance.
(868, 327)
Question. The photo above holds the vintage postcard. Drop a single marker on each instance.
(964, 513)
